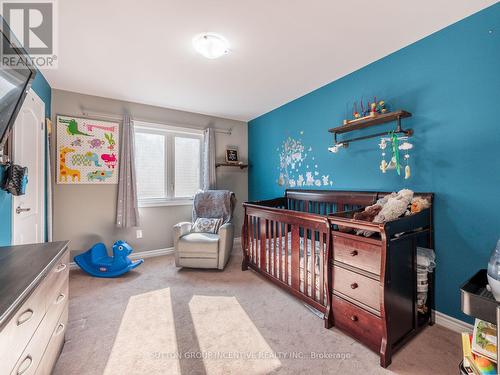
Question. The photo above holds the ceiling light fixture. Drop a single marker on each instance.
(211, 45)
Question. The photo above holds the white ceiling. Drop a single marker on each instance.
(141, 51)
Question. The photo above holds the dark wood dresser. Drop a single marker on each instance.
(33, 306)
(374, 280)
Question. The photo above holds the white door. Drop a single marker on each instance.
(28, 211)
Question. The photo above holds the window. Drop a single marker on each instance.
(167, 163)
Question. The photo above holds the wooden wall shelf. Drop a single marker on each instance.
(241, 166)
(372, 121)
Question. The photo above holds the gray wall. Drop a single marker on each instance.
(85, 214)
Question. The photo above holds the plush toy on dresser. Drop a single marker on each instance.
(388, 208)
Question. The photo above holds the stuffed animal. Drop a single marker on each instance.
(368, 214)
(393, 205)
(418, 204)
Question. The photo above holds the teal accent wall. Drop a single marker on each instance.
(43, 90)
(5, 218)
(450, 81)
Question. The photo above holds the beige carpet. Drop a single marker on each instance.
(159, 320)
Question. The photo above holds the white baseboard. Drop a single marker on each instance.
(452, 323)
(153, 253)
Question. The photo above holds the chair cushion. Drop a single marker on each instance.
(205, 225)
(198, 245)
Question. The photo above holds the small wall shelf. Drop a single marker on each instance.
(372, 121)
(241, 166)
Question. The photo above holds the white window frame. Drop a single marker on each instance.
(169, 132)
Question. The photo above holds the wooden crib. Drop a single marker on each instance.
(287, 240)
(366, 287)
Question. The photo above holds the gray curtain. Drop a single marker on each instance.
(209, 173)
(127, 213)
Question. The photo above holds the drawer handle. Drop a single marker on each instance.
(60, 298)
(354, 253)
(25, 317)
(25, 365)
(354, 285)
(60, 328)
(354, 318)
(61, 267)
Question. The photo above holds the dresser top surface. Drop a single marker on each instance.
(22, 267)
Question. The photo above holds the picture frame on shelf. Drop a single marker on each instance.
(232, 156)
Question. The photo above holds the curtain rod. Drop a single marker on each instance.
(117, 117)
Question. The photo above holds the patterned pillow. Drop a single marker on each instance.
(203, 225)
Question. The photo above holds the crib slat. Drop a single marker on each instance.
(254, 250)
(306, 256)
(340, 206)
(295, 267)
(262, 238)
(255, 239)
(267, 249)
(280, 256)
(286, 253)
(275, 250)
(313, 266)
(272, 254)
(275, 244)
(322, 268)
(249, 237)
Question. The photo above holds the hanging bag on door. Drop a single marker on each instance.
(16, 179)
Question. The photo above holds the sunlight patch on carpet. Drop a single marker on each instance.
(229, 341)
(146, 337)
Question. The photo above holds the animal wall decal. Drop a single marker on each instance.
(91, 127)
(297, 165)
(111, 141)
(86, 153)
(65, 171)
(99, 175)
(93, 157)
(80, 159)
(77, 142)
(72, 127)
(109, 160)
(96, 143)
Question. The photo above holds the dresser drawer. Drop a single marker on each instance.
(58, 303)
(356, 286)
(358, 254)
(55, 345)
(33, 353)
(18, 331)
(58, 275)
(357, 323)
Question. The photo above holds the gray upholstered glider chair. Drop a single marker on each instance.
(206, 250)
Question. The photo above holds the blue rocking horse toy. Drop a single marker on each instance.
(96, 261)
